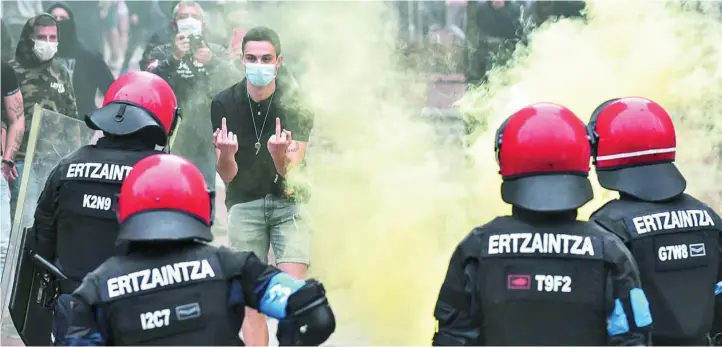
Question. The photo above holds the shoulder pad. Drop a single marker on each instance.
(607, 219)
(232, 262)
(711, 211)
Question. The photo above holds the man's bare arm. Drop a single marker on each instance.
(226, 166)
(16, 126)
(2, 141)
(292, 159)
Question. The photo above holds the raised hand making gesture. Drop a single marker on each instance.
(226, 141)
(279, 142)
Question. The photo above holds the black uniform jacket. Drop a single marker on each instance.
(541, 279)
(75, 220)
(677, 245)
(177, 293)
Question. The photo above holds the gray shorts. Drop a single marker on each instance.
(272, 221)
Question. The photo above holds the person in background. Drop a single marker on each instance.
(12, 137)
(261, 133)
(197, 70)
(16, 12)
(42, 79)
(88, 70)
(234, 46)
(117, 22)
(88, 23)
(161, 36)
(145, 18)
(226, 15)
(493, 29)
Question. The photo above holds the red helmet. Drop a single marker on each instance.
(164, 198)
(543, 155)
(135, 101)
(634, 147)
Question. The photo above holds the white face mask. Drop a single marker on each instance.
(190, 26)
(45, 50)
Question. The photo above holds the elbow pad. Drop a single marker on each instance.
(311, 320)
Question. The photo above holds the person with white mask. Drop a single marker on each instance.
(262, 130)
(197, 70)
(43, 80)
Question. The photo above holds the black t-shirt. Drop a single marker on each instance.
(256, 173)
(10, 86)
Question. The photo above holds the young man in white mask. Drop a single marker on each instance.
(196, 70)
(42, 80)
(261, 133)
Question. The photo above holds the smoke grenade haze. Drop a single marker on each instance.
(390, 200)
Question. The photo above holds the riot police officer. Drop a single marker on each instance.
(673, 236)
(172, 288)
(539, 276)
(75, 226)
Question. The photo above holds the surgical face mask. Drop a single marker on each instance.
(45, 50)
(260, 75)
(190, 26)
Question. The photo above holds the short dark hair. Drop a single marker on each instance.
(45, 20)
(180, 4)
(262, 34)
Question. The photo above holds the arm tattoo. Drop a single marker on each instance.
(293, 147)
(16, 112)
(14, 147)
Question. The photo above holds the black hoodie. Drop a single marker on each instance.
(46, 83)
(89, 71)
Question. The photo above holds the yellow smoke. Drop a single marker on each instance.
(663, 51)
(390, 201)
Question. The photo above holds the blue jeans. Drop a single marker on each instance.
(61, 319)
(272, 221)
(5, 224)
(15, 188)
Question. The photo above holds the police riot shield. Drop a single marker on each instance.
(27, 287)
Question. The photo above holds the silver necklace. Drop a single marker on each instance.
(255, 129)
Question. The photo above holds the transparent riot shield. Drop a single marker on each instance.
(52, 136)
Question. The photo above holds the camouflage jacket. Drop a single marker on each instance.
(45, 83)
